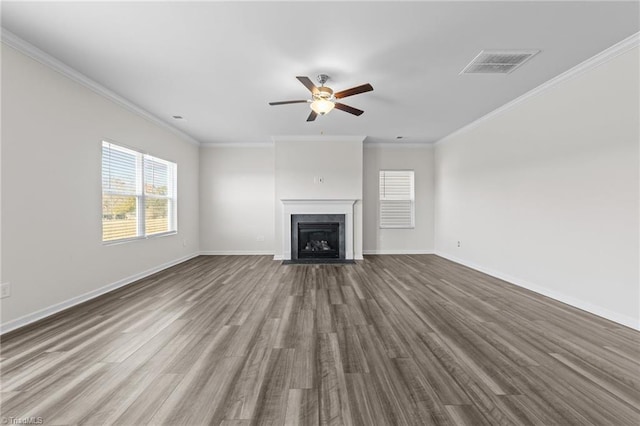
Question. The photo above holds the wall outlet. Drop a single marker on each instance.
(320, 179)
(5, 290)
(260, 238)
(458, 243)
(184, 242)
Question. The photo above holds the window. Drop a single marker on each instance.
(138, 194)
(397, 199)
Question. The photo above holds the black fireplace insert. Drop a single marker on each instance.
(318, 240)
(317, 237)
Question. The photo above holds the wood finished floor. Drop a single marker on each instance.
(392, 340)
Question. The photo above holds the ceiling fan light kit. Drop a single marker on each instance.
(322, 106)
(323, 99)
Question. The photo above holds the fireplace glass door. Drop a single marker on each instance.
(318, 240)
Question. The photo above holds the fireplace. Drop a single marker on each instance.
(339, 211)
(317, 237)
(318, 240)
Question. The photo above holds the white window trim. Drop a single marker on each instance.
(140, 198)
(413, 201)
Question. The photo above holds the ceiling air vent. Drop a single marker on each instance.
(498, 61)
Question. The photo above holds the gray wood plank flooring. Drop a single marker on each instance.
(391, 340)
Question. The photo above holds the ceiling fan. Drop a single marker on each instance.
(323, 99)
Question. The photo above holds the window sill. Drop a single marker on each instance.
(148, 237)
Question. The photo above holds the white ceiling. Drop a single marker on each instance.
(218, 64)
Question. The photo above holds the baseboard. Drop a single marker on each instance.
(54, 309)
(398, 252)
(236, 253)
(560, 297)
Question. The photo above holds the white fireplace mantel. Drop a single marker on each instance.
(317, 206)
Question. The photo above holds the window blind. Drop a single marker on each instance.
(397, 199)
(158, 189)
(138, 194)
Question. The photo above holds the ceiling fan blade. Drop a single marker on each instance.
(349, 109)
(308, 84)
(288, 102)
(354, 91)
(312, 116)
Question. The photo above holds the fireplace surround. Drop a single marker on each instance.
(291, 207)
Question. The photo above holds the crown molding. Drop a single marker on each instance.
(266, 144)
(398, 145)
(317, 138)
(44, 58)
(601, 58)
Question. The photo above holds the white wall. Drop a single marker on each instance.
(546, 193)
(337, 159)
(417, 157)
(237, 199)
(52, 129)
